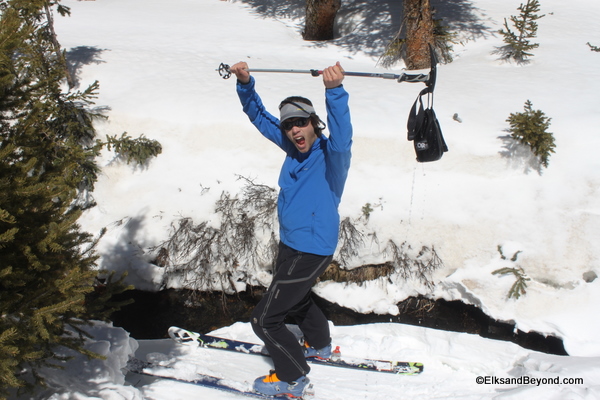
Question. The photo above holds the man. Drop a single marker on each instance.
(311, 182)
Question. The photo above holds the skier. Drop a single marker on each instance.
(311, 182)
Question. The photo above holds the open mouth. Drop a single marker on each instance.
(300, 140)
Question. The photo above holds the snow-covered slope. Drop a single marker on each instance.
(457, 366)
(156, 64)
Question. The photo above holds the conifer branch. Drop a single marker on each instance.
(518, 288)
(593, 48)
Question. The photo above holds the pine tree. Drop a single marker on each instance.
(530, 128)
(518, 42)
(48, 278)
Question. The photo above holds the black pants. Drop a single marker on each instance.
(290, 294)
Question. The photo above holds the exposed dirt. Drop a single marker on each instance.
(152, 314)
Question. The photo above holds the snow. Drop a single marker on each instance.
(156, 63)
(454, 364)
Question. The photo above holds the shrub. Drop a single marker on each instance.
(530, 128)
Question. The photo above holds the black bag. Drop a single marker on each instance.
(424, 130)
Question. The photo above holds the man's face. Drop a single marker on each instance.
(300, 132)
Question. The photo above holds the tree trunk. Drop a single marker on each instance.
(419, 33)
(56, 45)
(320, 17)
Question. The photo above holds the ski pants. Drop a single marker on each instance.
(290, 295)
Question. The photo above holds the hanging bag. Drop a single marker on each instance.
(424, 129)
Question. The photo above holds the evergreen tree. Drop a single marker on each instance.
(518, 42)
(48, 281)
(530, 128)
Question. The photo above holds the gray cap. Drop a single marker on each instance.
(291, 110)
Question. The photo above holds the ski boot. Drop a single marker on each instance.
(270, 385)
(311, 352)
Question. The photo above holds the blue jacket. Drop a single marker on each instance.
(311, 184)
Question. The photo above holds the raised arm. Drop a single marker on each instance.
(265, 122)
(338, 112)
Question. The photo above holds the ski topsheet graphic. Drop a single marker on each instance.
(198, 339)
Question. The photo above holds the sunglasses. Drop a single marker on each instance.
(299, 122)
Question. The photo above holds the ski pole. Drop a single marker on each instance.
(225, 73)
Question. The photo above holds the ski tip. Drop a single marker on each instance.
(182, 335)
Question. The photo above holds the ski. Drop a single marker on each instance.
(141, 367)
(395, 367)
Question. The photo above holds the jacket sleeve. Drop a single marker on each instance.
(338, 119)
(265, 122)
(340, 137)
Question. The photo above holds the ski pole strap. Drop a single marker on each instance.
(415, 118)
